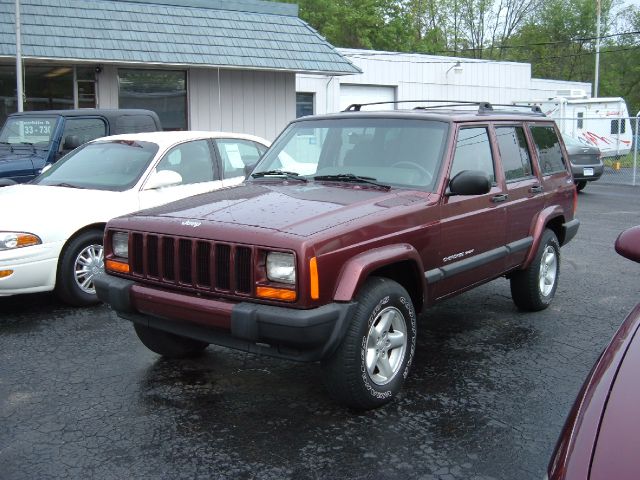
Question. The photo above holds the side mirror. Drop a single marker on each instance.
(249, 168)
(628, 244)
(5, 182)
(163, 178)
(469, 182)
(71, 142)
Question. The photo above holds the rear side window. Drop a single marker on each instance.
(237, 154)
(473, 152)
(134, 124)
(514, 153)
(548, 149)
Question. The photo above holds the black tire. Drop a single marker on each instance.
(167, 344)
(580, 185)
(346, 375)
(68, 287)
(533, 289)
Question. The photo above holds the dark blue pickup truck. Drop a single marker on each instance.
(31, 140)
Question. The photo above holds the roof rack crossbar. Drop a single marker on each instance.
(482, 106)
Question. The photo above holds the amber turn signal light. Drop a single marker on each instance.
(119, 267)
(276, 293)
(313, 274)
(5, 273)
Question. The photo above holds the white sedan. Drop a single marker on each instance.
(51, 229)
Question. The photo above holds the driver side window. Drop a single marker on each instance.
(473, 152)
(192, 160)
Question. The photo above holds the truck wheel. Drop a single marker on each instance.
(167, 344)
(370, 366)
(80, 261)
(534, 288)
(580, 185)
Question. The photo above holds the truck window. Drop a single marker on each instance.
(514, 152)
(134, 124)
(548, 149)
(473, 152)
(80, 130)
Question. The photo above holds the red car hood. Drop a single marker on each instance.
(617, 450)
(301, 209)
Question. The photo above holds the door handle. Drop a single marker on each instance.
(536, 189)
(499, 198)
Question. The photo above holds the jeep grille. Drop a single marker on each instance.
(192, 263)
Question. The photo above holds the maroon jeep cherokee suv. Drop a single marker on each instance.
(350, 226)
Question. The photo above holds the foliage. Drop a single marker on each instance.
(556, 36)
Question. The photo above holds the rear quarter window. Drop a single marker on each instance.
(548, 149)
(134, 124)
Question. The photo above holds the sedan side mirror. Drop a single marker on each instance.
(163, 178)
(469, 182)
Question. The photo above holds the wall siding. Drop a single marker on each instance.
(255, 102)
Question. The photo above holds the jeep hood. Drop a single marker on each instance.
(301, 209)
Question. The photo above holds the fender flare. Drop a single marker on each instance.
(357, 269)
(540, 224)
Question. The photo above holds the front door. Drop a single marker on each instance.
(472, 226)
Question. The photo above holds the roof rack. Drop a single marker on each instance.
(483, 107)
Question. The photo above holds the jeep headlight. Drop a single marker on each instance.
(120, 244)
(281, 267)
(11, 240)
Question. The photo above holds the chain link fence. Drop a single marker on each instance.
(617, 139)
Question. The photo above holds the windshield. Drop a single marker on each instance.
(390, 151)
(29, 130)
(114, 165)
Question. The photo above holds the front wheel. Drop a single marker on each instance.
(80, 261)
(370, 366)
(534, 288)
(167, 344)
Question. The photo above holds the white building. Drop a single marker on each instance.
(389, 76)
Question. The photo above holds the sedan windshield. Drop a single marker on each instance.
(114, 165)
(28, 130)
(396, 152)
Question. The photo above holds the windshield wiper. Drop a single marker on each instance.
(350, 177)
(279, 173)
(63, 184)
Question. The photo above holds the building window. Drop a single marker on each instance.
(47, 88)
(163, 91)
(304, 104)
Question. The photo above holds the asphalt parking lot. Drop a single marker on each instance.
(80, 397)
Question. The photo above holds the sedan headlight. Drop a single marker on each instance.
(11, 240)
(120, 244)
(281, 267)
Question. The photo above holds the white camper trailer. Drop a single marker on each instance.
(603, 122)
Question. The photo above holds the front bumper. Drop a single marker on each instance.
(303, 335)
(34, 269)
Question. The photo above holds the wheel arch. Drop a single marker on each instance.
(94, 226)
(400, 263)
(551, 218)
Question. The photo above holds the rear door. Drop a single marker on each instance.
(473, 226)
(552, 164)
(525, 194)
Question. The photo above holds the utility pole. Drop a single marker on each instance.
(595, 82)
(19, 92)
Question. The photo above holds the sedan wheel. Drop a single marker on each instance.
(89, 262)
(81, 260)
